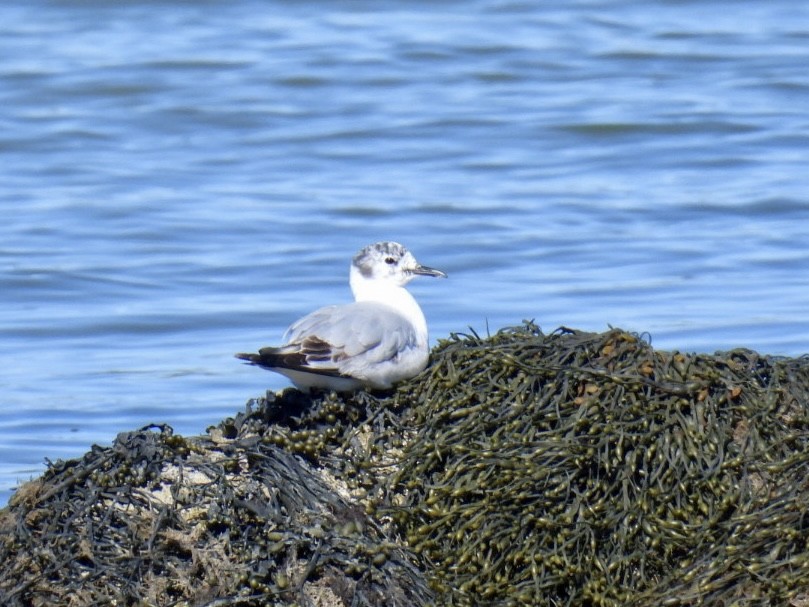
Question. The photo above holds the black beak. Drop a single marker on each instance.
(425, 271)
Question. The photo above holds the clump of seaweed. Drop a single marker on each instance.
(523, 468)
(589, 469)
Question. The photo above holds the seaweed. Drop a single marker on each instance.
(520, 468)
(589, 469)
(157, 519)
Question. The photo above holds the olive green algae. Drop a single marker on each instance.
(524, 468)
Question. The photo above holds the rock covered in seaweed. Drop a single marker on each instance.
(576, 468)
(161, 520)
(521, 469)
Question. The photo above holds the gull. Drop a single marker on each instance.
(378, 340)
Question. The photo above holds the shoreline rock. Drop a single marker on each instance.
(519, 469)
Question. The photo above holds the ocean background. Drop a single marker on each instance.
(180, 180)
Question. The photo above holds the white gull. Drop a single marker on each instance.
(378, 340)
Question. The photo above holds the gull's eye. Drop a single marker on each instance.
(390, 261)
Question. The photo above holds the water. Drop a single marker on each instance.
(181, 180)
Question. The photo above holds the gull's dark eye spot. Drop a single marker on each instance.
(390, 261)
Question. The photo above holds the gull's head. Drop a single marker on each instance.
(388, 263)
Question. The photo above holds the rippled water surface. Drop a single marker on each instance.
(181, 180)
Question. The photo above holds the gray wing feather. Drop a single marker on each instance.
(357, 333)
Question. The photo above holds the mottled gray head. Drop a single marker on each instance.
(392, 262)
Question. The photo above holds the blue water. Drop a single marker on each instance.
(181, 180)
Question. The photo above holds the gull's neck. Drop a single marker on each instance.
(392, 295)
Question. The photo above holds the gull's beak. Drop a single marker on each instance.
(425, 271)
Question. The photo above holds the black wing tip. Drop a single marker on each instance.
(269, 358)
